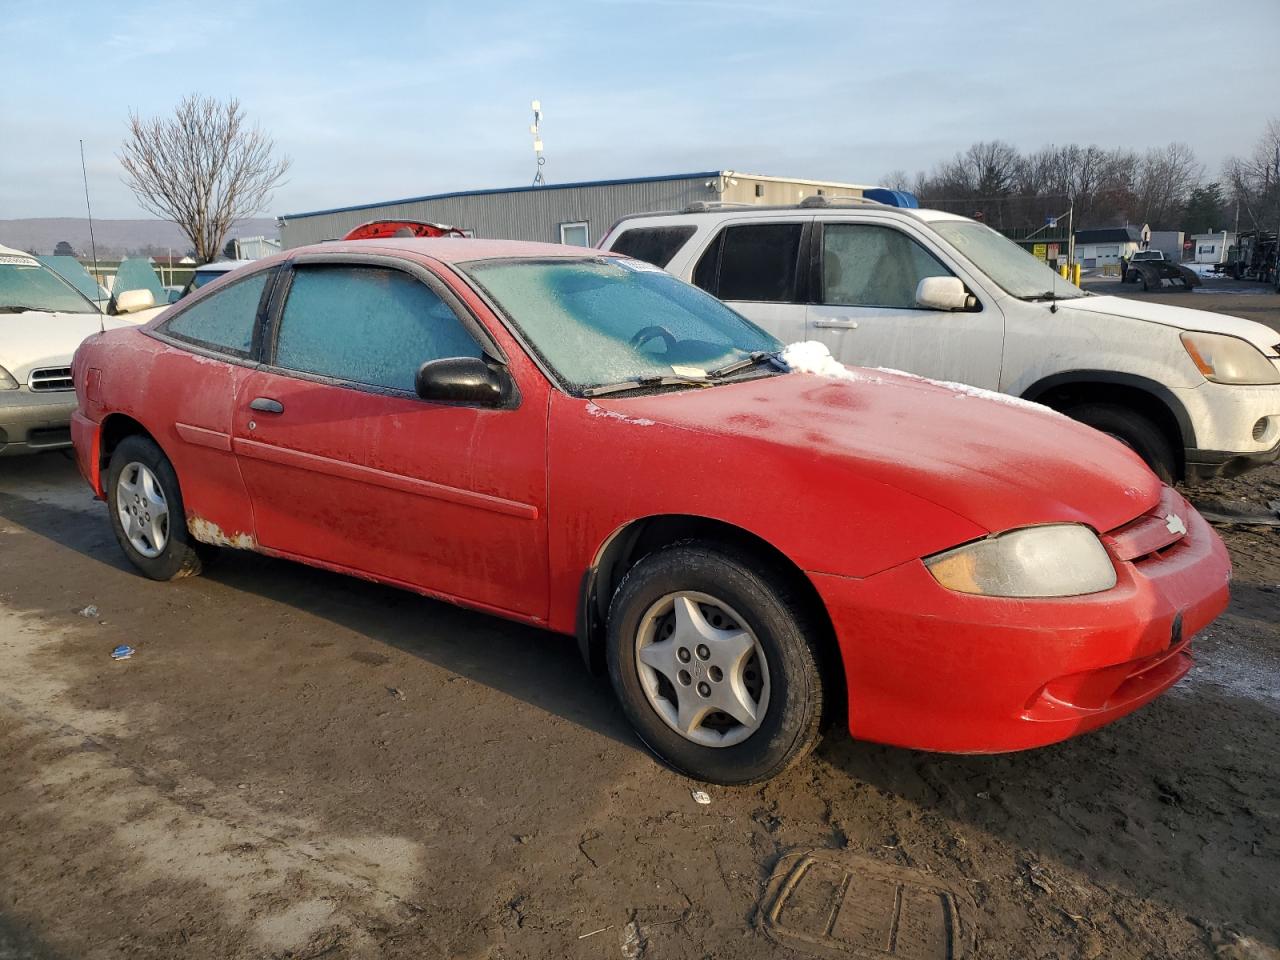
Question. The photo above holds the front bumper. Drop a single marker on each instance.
(1237, 428)
(1208, 464)
(931, 669)
(34, 421)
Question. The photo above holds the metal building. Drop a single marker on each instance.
(578, 213)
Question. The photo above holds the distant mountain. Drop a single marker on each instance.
(114, 238)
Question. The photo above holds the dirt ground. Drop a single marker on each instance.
(296, 764)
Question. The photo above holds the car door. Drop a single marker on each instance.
(865, 309)
(756, 268)
(190, 390)
(346, 466)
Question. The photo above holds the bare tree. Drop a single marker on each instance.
(1164, 181)
(202, 168)
(1253, 182)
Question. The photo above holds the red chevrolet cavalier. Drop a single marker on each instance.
(580, 441)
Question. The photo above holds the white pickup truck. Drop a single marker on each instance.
(1195, 394)
(43, 318)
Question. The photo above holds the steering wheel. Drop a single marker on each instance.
(646, 334)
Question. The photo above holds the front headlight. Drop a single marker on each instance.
(6, 380)
(1225, 359)
(1056, 560)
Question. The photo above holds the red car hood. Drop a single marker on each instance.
(997, 461)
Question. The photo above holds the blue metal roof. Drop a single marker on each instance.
(480, 193)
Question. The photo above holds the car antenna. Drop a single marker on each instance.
(93, 246)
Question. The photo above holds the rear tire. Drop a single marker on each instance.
(142, 492)
(1135, 431)
(730, 595)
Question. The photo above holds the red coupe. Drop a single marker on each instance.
(580, 441)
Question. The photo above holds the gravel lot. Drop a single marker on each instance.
(297, 764)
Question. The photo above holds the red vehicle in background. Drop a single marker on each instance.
(580, 441)
(385, 229)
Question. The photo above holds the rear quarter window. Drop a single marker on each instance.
(656, 245)
(224, 320)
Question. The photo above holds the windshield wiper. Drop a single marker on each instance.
(15, 308)
(756, 356)
(641, 383)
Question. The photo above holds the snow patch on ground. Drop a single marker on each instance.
(596, 411)
(810, 356)
(1238, 673)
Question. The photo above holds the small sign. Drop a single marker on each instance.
(1050, 221)
(1053, 251)
(1040, 251)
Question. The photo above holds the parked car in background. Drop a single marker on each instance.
(43, 318)
(1195, 394)
(208, 272)
(747, 540)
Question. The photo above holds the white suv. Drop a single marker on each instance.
(1195, 394)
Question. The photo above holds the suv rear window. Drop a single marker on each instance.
(755, 262)
(656, 245)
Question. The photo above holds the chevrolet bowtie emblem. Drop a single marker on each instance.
(1174, 523)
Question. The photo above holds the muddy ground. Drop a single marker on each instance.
(296, 764)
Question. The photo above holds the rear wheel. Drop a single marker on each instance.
(147, 513)
(710, 655)
(1135, 431)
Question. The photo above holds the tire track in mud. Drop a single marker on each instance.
(153, 830)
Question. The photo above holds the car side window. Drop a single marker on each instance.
(656, 245)
(864, 265)
(754, 262)
(223, 320)
(368, 325)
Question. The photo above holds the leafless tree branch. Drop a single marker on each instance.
(203, 168)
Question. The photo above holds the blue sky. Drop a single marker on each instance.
(376, 101)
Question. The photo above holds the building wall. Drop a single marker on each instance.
(536, 213)
(1211, 247)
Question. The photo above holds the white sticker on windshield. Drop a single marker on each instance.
(637, 266)
(684, 371)
(20, 261)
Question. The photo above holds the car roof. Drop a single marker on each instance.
(11, 252)
(455, 249)
(222, 266)
(754, 211)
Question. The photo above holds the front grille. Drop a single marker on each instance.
(1155, 533)
(51, 378)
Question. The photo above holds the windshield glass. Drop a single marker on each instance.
(1016, 271)
(201, 277)
(28, 285)
(608, 320)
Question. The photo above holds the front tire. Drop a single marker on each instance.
(711, 657)
(1135, 431)
(147, 515)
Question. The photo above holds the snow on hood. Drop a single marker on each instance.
(811, 356)
(1181, 318)
(37, 339)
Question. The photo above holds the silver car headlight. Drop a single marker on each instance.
(6, 380)
(1056, 560)
(1226, 359)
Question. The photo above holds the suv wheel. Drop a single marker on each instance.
(710, 656)
(1135, 431)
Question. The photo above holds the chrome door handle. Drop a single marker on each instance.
(266, 405)
(836, 323)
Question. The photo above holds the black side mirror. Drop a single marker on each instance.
(463, 380)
